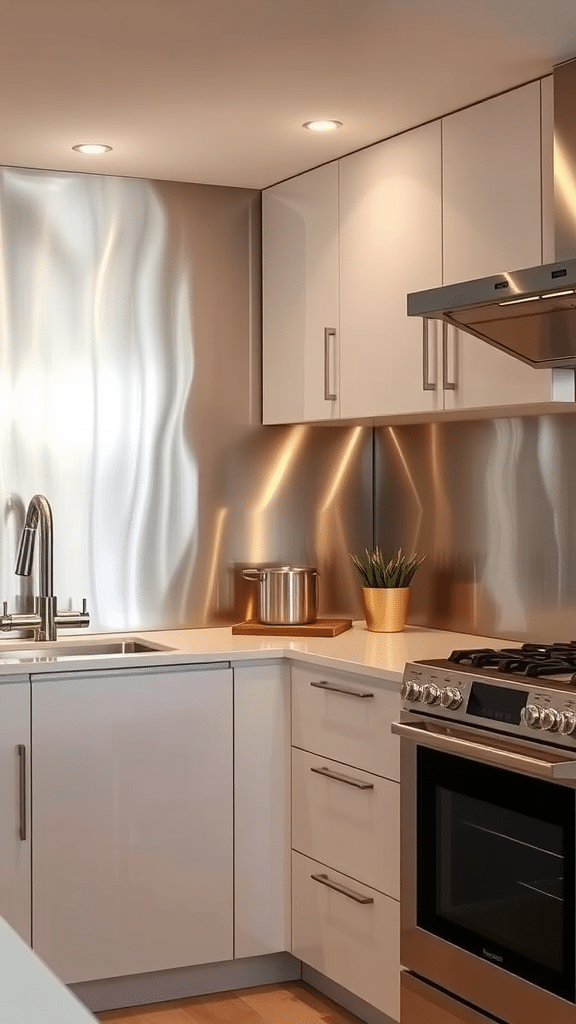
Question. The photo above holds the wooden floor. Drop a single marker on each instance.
(291, 1003)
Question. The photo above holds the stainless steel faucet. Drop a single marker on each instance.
(46, 617)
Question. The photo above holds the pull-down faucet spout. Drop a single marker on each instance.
(46, 617)
(39, 513)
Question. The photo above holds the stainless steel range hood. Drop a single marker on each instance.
(531, 314)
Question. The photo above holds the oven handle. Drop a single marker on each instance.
(562, 768)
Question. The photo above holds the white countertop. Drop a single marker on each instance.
(357, 650)
(29, 992)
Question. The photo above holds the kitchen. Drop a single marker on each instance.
(152, 447)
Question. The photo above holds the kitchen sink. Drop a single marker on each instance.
(83, 649)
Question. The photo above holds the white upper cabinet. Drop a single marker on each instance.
(463, 197)
(492, 222)
(301, 376)
(390, 244)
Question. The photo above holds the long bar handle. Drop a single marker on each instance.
(562, 768)
(329, 396)
(21, 749)
(346, 779)
(342, 889)
(323, 685)
(447, 384)
(427, 384)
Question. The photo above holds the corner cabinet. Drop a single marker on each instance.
(15, 845)
(300, 296)
(132, 819)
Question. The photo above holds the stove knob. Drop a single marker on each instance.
(430, 693)
(567, 723)
(532, 716)
(451, 698)
(549, 719)
(411, 690)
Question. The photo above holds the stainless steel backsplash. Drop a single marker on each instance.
(492, 504)
(130, 396)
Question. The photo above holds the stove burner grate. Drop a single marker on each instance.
(528, 660)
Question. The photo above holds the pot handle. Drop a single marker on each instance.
(252, 574)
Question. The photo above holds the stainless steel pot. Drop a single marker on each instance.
(288, 594)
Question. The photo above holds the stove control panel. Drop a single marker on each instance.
(517, 707)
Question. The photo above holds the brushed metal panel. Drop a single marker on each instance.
(491, 503)
(130, 391)
(564, 161)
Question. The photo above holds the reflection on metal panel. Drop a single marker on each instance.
(129, 394)
(492, 504)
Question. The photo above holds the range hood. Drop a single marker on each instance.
(530, 314)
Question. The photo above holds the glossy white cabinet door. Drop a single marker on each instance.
(132, 817)
(492, 222)
(390, 244)
(300, 361)
(262, 809)
(348, 932)
(15, 842)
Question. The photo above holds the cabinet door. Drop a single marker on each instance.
(132, 812)
(390, 244)
(262, 809)
(492, 222)
(300, 298)
(15, 803)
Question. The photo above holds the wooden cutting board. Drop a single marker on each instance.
(322, 627)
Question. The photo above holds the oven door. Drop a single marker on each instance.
(488, 869)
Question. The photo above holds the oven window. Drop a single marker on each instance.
(496, 867)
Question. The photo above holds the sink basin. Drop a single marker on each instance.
(82, 649)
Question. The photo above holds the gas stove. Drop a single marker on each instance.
(527, 691)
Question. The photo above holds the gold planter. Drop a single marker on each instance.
(385, 609)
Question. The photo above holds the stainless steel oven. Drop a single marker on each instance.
(488, 820)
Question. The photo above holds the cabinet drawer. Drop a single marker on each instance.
(347, 719)
(355, 944)
(348, 819)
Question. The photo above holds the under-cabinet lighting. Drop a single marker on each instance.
(554, 295)
(322, 125)
(92, 148)
(512, 302)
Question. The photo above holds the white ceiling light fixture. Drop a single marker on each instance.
(322, 125)
(92, 148)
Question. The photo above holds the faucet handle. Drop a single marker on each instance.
(84, 606)
(5, 608)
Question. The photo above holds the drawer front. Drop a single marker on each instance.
(348, 819)
(355, 944)
(347, 719)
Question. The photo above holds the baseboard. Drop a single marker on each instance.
(344, 998)
(160, 986)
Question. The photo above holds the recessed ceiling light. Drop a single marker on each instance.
(92, 148)
(322, 125)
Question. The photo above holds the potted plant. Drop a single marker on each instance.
(386, 587)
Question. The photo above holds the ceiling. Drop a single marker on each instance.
(217, 90)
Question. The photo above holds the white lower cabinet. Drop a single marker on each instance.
(15, 842)
(132, 817)
(262, 809)
(347, 818)
(346, 832)
(348, 932)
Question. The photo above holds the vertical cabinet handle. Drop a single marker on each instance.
(427, 384)
(21, 749)
(447, 384)
(329, 333)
